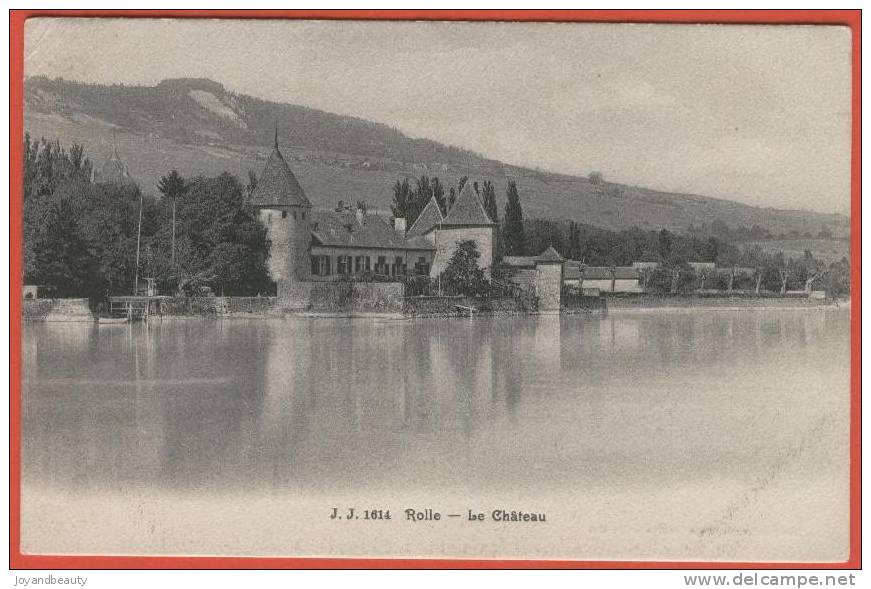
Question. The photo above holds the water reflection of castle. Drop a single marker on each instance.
(233, 403)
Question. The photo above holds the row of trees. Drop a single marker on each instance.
(722, 230)
(748, 268)
(771, 274)
(409, 201)
(81, 237)
(603, 247)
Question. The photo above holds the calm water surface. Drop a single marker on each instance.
(707, 433)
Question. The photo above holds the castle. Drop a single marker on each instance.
(113, 171)
(310, 245)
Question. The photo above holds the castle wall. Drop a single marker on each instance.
(341, 296)
(56, 310)
(604, 284)
(290, 238)
(446, 241)
(548, 286)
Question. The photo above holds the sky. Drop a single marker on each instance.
(758, 114)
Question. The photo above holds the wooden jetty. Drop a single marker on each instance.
(133, 308)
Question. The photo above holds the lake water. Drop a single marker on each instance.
(645, 435)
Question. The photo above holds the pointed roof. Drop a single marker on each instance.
(549, 255)
(429, 217)
(114, 169)
(467, 210)
(277, 186)
(114, 157)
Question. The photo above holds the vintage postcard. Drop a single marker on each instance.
(309, 288)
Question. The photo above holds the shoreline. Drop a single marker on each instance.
(616, 305)
(722, 308)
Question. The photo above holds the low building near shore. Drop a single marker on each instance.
(603, 278)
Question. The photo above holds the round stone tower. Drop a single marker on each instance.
(286, 212)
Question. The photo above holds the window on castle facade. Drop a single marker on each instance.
(421, 267)
(343, 265)
(320, 265)
(361, 264)
(398, 266)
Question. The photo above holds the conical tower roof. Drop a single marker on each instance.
(277, 186)
(467, 210)
(429, 217)
(549, 255)
(114, 169)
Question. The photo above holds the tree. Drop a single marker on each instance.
(403, 205)
(462, 182)
(574, 249)
(512, 229)
(733, 272)
(225, 239)
(596, 178)
(712, 250)
(703, 276)
(488, 198)
(252, 182)
(409, 203)
(437, 191)
(173, 186)
(665, 244)
(812, 277)
(463, 275)
(784, 277)
(426, 189)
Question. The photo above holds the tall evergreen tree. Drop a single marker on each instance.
(488, 198)
(403, 205)
(173, 186)
(513, 234)
(574, 249)
(665, 245)
(438, 191)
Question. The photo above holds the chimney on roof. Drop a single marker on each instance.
(399, 226)
(361, 212)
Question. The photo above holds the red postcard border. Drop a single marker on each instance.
(19, 560)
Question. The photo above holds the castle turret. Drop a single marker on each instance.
(285, 211)
(466, 220)
(113, 171)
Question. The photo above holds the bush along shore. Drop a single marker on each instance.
(357, 305)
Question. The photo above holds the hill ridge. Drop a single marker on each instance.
(199, 127)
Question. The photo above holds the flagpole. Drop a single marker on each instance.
(173, 233)
(138, 237)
